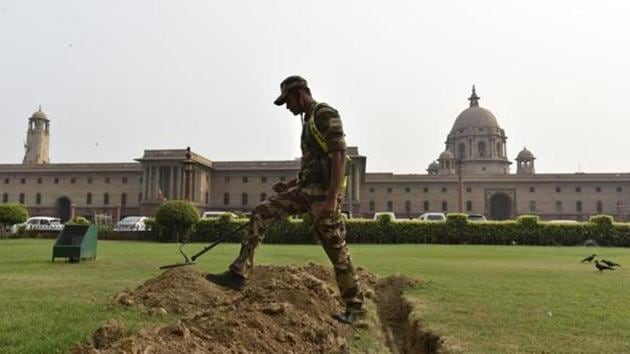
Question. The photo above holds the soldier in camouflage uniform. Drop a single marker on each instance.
(318, 190)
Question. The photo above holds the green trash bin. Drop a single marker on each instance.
(76, 242)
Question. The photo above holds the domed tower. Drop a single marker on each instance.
(525, 162)
(447, 163)
(433, 168)
(478, 141)
(37, 139)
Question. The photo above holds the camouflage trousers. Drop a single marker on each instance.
(331, 232)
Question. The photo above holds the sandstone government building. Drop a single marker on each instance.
(472, 174)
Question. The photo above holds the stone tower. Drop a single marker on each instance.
(37, 139)
(525, 163)
(478, 142)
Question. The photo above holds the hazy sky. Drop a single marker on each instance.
(118, 77)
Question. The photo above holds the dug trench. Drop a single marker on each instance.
(283, 309)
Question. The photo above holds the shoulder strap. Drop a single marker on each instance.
(317, 134)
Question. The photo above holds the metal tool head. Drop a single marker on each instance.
(186, 263)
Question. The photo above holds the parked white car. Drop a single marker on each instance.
(432, 217)
(132, 223)
(377, 215)
(42, 223)
(477, 217)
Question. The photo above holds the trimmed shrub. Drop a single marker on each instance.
(602, 220)
(176, 219)
(79, 220)
(11, 214)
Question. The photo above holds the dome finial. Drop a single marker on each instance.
(40, 108)
(474, 99)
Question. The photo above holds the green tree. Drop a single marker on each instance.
(176, 218)
(11, 214)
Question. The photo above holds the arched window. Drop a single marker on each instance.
(469, 205)
(263, 197)
(88, 199)
(461, 150)
(123, 199)
(578, 206)
(244, 198)
(600, 207)
(5, 198)
(444, 205)
(408, 206)
(139, 198)
(499, 150)
(38, 199)
(425, 205)
(226, 198)
(481, 147)
(22, 198)
(372, 206)
(390, 205)
(106, 199)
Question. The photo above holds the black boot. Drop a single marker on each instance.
(228, 280)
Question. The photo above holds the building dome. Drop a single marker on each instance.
(433, 166)
(475, 116)
(447, 155)
(39, 114)
(525, 155)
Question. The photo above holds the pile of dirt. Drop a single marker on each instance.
(282, 310)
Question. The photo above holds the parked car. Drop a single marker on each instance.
(132, 223)
(42, 223)
(379, 214)
(477, 217)
(217, 214)
(432, 217)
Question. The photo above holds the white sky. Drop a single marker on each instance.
(118, 77)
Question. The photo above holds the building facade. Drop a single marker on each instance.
(471, 175)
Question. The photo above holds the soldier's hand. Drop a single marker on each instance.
(279, 187)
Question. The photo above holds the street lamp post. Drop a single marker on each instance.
(188, 170)
(460, 186)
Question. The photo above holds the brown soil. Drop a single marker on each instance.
(282, 310)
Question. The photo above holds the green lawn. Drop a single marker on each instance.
(479, 298)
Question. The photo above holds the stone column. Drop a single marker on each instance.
(355, 183)
(156, 184)
(149, 195)
(171, 182)
(182, 183)
(145, 181)
(195, 185)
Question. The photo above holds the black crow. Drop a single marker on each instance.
(602, 267)
(610, 263)
(589, 258)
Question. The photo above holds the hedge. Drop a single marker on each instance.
(526, 230)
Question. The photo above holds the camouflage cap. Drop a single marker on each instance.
(287, 85)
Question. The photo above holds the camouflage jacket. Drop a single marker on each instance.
(315, 163)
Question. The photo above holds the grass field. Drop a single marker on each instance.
(480, 299)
